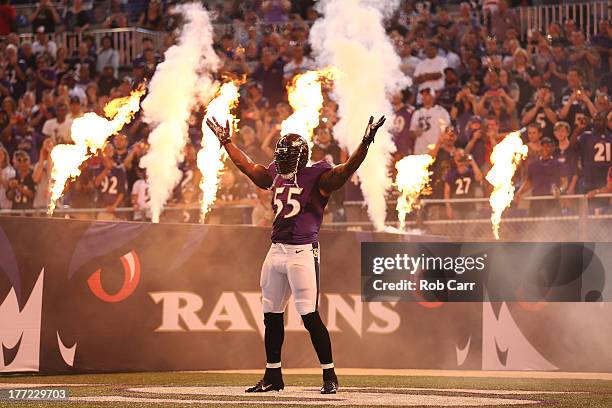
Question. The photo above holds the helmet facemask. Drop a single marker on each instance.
(289, 159)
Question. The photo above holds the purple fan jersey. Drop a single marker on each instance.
(298, 205)
(596, 152)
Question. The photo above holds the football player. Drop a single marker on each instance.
(300, 193)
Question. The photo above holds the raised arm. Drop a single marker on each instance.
(256, 172)
(338, 175)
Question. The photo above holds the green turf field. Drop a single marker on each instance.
(197, 389)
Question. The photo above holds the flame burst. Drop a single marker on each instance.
(505, 158)
(412, 178)
(211, 156)
(306, 99)
(89, 133)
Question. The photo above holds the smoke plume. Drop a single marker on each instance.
(351, 37)
(173, 92)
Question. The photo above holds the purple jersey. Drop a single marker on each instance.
(298, 205)
(596, 157)
(543, 174)
(112, 185)
(462, 185)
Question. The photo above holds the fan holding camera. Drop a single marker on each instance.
(541, 111)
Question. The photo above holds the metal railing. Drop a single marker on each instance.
(127, 41)
(579, 224)
(586, 15)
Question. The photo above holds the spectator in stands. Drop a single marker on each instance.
(401, 126)
(82, 56)
(108, 56)
(153, 18)
(7, 172)
(76, 18)
(574, 98)
(21, 188)
(107, 81)
(556, 34)
(461, 181)
(428, 122)
(545, 176)
(326, 148)
(541, 111)
(9, 109)
(61, 65)
(92, 97)
(58, 128)
(8, 18)
(84, 79)
(141, 197)
(27, 55)
(298, 63)
(46, 76)
(19, 136)
(534, 136)
(115, 17)
(503, 20)
(120, 144)
(15, 70)
(249, 143)
(462, 111)
(69, 81)
(269, 73)
(43, 111)
(557, 69)
(42, 175)
(583, 56)
(110, 181)
(429, 73)
(522, 71)
(45, 15)
(5, 85)
(74, 108)
(567, 155)
(446, 97)
(43, 44)
(602, 102)
(275, 11)
(596, 156)
(442, 152)
(602, 44)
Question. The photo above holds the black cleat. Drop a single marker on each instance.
(265, 385)
(330, 386)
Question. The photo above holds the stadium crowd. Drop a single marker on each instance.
(473, 73)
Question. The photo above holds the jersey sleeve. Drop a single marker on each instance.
(271, 170)
(414, 120)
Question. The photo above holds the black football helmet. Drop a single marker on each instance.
(290, 155)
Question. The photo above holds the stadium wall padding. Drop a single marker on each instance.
(81, 296)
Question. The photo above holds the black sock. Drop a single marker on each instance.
(329, 374)
(273, 374)
(320, 338)
(274, 336)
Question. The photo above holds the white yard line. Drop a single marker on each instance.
(435, 373)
